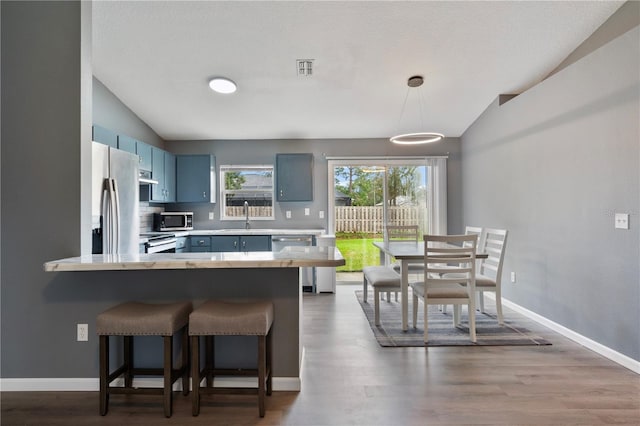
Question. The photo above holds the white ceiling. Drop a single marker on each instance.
(157, 57)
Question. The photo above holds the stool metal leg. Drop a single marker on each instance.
(168, 366)
(104, 374)
(262, 351)
(195, 375)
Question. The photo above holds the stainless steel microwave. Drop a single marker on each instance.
(173, 221)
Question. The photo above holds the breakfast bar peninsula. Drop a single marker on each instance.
(233, 276)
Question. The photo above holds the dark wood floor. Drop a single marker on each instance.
(349, 380)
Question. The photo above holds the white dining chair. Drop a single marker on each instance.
(489, 270)
(489, 276)
(404, 233)
(449, 278)
(479, 232)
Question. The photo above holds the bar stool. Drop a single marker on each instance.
(143, 319)
(215, 318)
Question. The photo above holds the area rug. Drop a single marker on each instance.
(441, 330)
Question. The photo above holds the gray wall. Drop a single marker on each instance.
(42, 130)
(110, 112)
(552, 166)
(246, 152)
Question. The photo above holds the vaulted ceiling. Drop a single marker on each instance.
(157, 57)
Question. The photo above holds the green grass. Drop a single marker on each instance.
(357, 252)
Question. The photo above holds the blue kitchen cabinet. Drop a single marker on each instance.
(104, 136)
(170, 177)
(182, 245)
(294, 177)
(144, 151)
(126, 143)
(221, 243)
(141, 149)
(199, 244)
(163, 170)
(195, 178)
(255, 243)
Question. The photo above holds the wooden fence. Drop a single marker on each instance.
(254, 211)
(369, 219)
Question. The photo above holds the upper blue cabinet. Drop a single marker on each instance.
(195, 178)
(104, 136)
(294, 177)
(164, 171)
(133, 146)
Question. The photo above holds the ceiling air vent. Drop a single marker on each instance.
(304, 67)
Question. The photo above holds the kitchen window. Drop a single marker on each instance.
(245, 188)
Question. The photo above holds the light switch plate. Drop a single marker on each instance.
(307, 211)
(622, 221)
(321, 214)
(288, 214)
(210, 215)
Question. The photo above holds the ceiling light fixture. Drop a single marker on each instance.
(419, 137)
(222, 85)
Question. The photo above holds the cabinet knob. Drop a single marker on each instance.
(204, 194)
(281, 192)
(235, 244)
(244, 244)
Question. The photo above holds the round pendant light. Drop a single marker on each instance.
(416, 137)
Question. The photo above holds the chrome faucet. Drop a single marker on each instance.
(246, 214)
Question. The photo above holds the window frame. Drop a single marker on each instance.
(223, 191)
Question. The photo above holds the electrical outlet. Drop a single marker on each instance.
(321, 214)
(622, 221)
(307, 211)
(288, 214)
(83, 332)
(210, 215)
(513, 277)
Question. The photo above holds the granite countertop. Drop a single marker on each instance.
(289, 257)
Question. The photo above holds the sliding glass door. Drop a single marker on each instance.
(367, 195)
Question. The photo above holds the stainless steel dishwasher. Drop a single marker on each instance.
(278, 242)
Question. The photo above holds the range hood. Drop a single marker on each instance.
(145, 178)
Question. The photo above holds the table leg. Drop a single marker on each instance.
(404, 292)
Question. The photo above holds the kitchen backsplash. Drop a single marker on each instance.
(146, 215)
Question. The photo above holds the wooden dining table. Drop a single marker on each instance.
(405, 252)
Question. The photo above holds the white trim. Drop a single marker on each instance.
(93, 385)
(598, 348)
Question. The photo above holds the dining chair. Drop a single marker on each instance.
(489, 275)
(489, 270)
(404, 233)
(442, 283)
(471, 230)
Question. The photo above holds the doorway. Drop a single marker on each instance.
(368, 194)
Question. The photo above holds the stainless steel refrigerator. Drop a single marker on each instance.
(115, 220)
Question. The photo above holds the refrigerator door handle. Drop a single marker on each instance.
(106, 217)
(116, 217)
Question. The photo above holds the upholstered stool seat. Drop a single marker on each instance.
(215, 318)
(382, 279)
(143, 319)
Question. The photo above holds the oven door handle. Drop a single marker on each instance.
(161, 242)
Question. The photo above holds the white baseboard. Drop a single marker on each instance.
(92, 385)
(599, 348)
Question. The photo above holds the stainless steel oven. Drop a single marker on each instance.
(159, 242)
